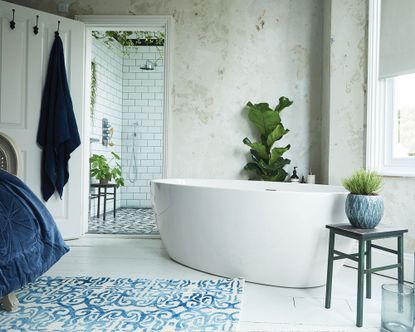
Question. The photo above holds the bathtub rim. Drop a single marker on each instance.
(172, 182)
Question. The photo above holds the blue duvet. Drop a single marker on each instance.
(30, 242)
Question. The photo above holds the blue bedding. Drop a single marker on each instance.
(30, 242)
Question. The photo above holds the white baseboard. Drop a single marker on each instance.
(380, 258)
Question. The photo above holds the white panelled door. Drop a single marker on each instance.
(23, 63)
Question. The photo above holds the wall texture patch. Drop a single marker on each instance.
(220, 61)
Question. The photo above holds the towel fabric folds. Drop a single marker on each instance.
(57, 133)
(30, 242)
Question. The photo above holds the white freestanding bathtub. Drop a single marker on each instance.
(266, 232)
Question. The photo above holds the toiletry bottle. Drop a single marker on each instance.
(294, 176)
(311, 178)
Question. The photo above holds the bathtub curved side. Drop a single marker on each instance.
(275, 238)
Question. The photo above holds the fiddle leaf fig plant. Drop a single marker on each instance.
(267, 159)
(100, 168)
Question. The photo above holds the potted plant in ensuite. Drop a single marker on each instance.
(101, 169)
(267, 159)
(364, 206)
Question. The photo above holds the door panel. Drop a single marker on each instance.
(24, 58)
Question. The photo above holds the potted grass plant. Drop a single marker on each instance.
(364, 206)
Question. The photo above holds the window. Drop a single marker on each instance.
(391, 99)
(403, 107)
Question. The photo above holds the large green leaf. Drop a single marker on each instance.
(260, 149)
(263, 107)
(276, 134)
(265, 121)
(276, 153)
(283, 103)
(279, 163)
(116, 156)
(279, 176)
(253, 167)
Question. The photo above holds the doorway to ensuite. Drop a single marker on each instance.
(127, 60)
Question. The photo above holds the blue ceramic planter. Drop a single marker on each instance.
(364, 211)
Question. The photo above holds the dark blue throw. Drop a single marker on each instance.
(57, 133)
(30, 242)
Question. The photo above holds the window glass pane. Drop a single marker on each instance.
(404, 100)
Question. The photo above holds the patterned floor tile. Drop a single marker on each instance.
(126, 221)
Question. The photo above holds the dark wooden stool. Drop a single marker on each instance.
(106, 195)
(365, 238)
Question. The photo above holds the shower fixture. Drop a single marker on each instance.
(149, 65)
(133, 162)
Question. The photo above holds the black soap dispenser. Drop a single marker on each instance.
(294, 177)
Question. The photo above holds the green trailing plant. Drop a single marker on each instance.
(132, 38)
(93, 87)
(101, 169)
(363, 182)
(267, 159)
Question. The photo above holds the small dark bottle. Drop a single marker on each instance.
(294, 177)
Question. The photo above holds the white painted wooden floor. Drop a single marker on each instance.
(264, 308)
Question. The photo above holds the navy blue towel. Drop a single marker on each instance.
(57, 133)
(30, 242)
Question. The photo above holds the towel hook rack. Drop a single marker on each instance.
(57, 31)
(36, 27)
(12, 22)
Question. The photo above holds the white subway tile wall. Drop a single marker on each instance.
(109, 65)
(132, 100)
(142, 119)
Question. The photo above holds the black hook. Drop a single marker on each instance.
(57, 31)
(36, 27)
(12, 22)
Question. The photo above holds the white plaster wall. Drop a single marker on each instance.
(227, 53)
(325, 100)
(344, 94)
(224, 57)
(347, 112)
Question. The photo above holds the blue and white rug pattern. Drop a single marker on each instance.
(124, 304)
(127, 221)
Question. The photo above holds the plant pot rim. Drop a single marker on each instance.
(372, 195)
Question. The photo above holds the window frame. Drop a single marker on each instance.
(381, 124)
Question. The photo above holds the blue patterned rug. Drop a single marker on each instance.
(123, 304)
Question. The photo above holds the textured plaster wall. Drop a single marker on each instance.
(325, 94)
(344, 94)
(399, 195)
(226, 53)
(346, 113)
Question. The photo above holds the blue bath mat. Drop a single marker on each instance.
(123, 304)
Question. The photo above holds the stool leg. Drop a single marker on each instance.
(329, 270)
(400, 259)
(99, 201)
(360, 283)
(105, 202)
(368, 267)
(115, 200)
